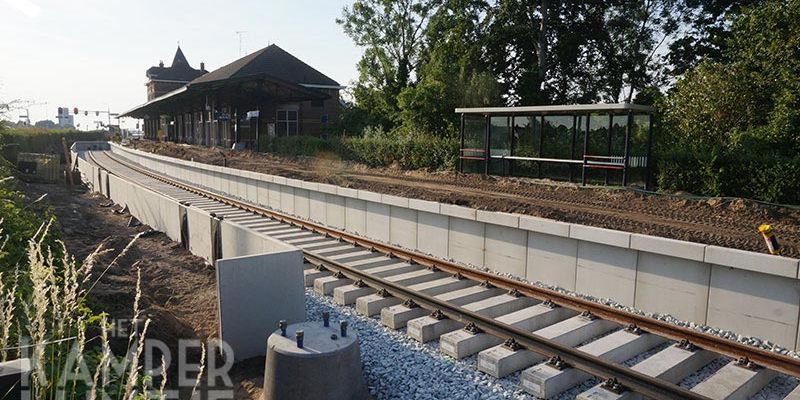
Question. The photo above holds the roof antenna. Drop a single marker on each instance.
(242, 52)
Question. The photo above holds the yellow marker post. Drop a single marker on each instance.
(769, 237)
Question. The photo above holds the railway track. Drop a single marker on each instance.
(557, 340)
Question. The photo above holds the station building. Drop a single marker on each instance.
(266, 93)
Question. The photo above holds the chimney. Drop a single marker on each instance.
(202, 66)
(161, 63)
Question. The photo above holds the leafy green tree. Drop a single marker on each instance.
(705, 33)
(453, 74)
(391, 31)
(755, 96)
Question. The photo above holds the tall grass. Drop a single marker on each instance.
(49, 322)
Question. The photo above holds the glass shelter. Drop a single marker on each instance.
(596, 143)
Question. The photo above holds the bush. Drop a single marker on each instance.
(736, 173)
(374, 148)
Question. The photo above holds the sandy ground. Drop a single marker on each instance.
(178, 288)
(715, 221)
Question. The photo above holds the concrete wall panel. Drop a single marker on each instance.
(199, 224)
(263, 194)
(506, 249)
(334, 211)
(752, 303)
(378, 221)
(254, 293)
(552, 260)
(287, 199)
(355, 216)
(433, 234)
(274, 196)
(302, 204)
(606, 271)
(317, 207)
(466, 241)
(670, 285)
(403, 227)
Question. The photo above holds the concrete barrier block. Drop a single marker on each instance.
(458, 211)
(600, 235)
(263, 194)
(238, 240)
(403, 227)
(672, 285)
(297, 183)
(169, 211)
(279, 180)
(378, 221)
(396, 201)
(310, 185)
(266, 177)
(758, 262)
(498, 218)
(355, 215)
(274, 191)
(752, 303)
(466, 241)
(254, 293)
(241, 182)
(506, 249)
(542, 225)
(325, 188)
(552, 260)
(334, 212)
(287, 199)
(369, 196)
(347, 192)
(199, 224)
(606, 271)
(252, 191)
(433, 233)
(302, 203)
(317, 207)
(668, 247)
(424, 205)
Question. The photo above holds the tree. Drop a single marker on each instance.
(453, 73)
(392, 32)
(706, 32)
(754, 97)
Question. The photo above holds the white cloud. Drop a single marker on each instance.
(27, 7)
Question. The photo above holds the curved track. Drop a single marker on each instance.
(372, 272)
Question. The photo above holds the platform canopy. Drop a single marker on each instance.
(267, 75)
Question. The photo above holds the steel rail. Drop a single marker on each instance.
(767, 359)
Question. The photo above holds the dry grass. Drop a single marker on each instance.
(48, 319)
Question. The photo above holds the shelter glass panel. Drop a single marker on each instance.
(474, 138)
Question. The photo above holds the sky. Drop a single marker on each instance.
(93, 54)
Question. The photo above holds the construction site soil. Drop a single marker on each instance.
(178, 289)
(716, 221)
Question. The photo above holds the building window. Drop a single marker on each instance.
(286, 122)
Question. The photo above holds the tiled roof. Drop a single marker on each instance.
(273, 62)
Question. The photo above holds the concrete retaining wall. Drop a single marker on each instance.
(751, 293)
(259, 280)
